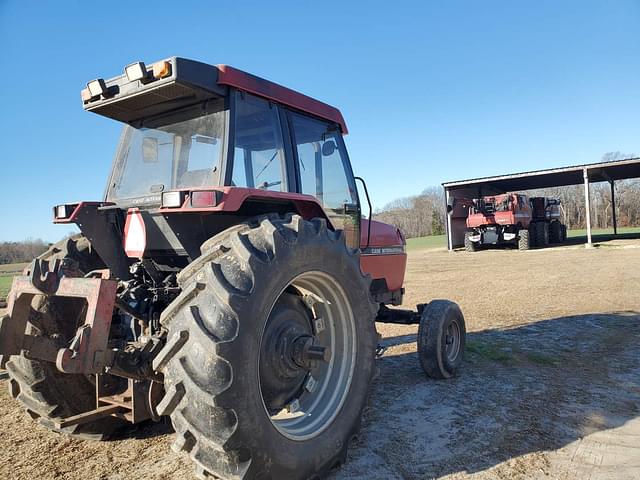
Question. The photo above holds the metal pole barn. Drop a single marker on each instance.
(613, 206)
(587, 206)
(449, 238)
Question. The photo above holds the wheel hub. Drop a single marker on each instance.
(307, 355)
(288, 353)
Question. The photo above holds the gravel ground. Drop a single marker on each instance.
(550, 386)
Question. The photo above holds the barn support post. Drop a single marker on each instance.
(448, 220)
(587, 207)
(613, 206)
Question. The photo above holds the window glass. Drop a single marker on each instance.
(258, 155)
(322, 162)
(182, 150)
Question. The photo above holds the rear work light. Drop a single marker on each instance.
(60, 212)
(97, 87)
(207, 198)
(172, 199)
(136, 71)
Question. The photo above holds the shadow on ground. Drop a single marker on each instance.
(522, 392)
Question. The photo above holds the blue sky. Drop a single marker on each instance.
(431, 91)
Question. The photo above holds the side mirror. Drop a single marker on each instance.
(149, 150)
(328, 148)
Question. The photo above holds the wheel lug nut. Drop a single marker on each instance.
(294, 406)
(311, 384)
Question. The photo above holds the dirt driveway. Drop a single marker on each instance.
(550, 387)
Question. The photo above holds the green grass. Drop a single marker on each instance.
(440, 241)
(5, 286)
(602, 231)
(493, 352)
(432, 241)
(509, 354)
(7, 272)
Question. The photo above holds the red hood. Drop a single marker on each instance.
(382, 234)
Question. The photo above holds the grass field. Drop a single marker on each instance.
(7, 272)
(603, 231)
(432, 241)
(5, 285)
(440, 241)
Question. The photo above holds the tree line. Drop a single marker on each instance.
(19, 252)
(417, 216)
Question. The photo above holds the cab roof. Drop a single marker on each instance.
(176, 82)
(230, 76)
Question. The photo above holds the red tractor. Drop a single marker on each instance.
(227, 280)
(513, 218)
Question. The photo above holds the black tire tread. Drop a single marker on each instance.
(469, 246)
(429, 338)
(204, 314)
(524, 239)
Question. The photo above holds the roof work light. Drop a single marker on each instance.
(97, 87)
(136, 71)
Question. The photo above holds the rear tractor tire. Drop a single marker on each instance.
(555, 232)
(524, 240)
(253, 388)
(441, 339)
(46, 393)
(542, 234)
(469, 246)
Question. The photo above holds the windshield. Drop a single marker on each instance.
(181, 150)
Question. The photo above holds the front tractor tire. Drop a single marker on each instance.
(270, 351)
(46, 393)
(524, 240)
(469, 245)
(441, 339)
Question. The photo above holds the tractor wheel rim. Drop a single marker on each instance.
(452, 341)
(327, 383)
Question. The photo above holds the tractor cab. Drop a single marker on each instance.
(205, 147)
(193, 129)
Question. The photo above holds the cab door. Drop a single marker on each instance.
(323, 170)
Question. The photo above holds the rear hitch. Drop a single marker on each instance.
(87, 352)
(127, 387)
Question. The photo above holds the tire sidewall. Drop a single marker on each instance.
(312, 251)
(431, 338)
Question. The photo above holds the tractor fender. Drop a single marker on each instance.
(238, 199)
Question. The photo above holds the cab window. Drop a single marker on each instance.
(258, 154)
(322, 163)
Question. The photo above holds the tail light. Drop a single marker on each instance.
(206, 198)
(135, 235)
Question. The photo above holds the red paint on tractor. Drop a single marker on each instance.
(232, 199)
(389, 267)
(250, 83)
(383, 253)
